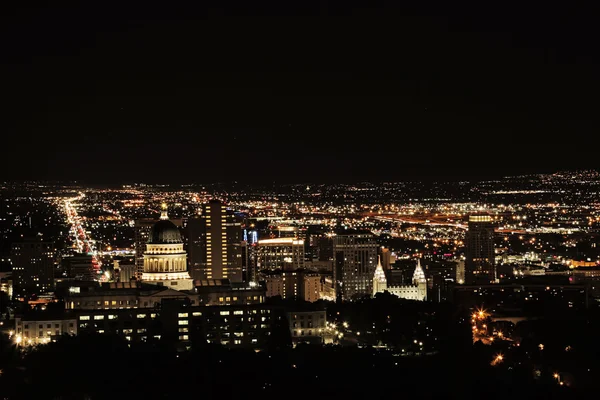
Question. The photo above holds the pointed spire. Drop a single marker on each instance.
(379, 275)
(163, 211)
(419, 275)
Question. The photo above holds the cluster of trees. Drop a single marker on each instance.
(106, 367)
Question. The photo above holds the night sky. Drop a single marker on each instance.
(306, 92)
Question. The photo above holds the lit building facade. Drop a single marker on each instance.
(175, 322)
(416, 291)
(39, 328)
(215, 244)
(165, 260)
(131, 295)
(300, 285)
(286, 254)
(143, 227)
(6, 283)
(308, 326)
(185, 326)
(480, 257)
(355, 258)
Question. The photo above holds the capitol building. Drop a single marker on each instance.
(165, 260)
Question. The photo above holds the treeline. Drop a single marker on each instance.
(106, 367)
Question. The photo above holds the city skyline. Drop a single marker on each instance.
(299, 199)
(501, 274)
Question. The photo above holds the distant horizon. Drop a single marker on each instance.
(424, 179)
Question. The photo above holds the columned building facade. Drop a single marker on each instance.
(165, 260)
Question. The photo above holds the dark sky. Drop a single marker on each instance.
(296, 91)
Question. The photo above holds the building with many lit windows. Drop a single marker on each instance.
(178, 322)
(129, 295)
(174, 321)
(298, 284)
(285, 253)
(215, 243)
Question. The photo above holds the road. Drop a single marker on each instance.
(83, 242)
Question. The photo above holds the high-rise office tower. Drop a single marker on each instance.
(286, 253)
(215, 244)
(33, 267)
(479, 263)
(355, 260)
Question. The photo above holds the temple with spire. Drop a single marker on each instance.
(165, 260)
(416, 291)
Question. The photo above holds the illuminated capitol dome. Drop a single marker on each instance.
(165, 260)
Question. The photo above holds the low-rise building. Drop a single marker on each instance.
(308, 325)
(298, 284)
(42, 327)
(174, 321)
(128, 295)
(178, 322)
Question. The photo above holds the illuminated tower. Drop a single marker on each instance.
(479, 263)
(165, 260)
(215, 243)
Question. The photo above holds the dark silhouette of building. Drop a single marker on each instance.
(325, 248)
(248, 261)
(33, 267)
(480, 258)
(79, 267)
(142, 231)
(355, 260)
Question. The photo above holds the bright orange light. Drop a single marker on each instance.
(497, 359)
